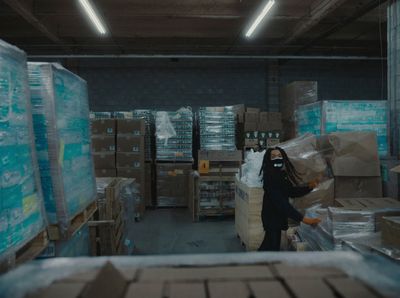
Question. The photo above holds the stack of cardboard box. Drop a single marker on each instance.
(355, 164)
(261, 129)
(103, 146)
(293, 95)
(130, 150)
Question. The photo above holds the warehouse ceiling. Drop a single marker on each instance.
(200, 27)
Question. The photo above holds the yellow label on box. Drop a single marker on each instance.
(29, 204)
(178, 154)
(204, 166)
(61, 153)
(171, 173)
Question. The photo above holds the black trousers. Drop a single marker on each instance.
(272, 240)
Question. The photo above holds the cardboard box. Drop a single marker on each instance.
(391, 231)
(130, 143)
(251, 117)
(240, 110)
(220, 155)
(354, 154)
(270, 125)
(289, 129)
(390, 178)
(104, 160)
(130, 160)
(263, 117)
(103, 126)
(323, 195)
(102, 143)
(250, 126)
(131, 126)
(106, 172)
(252, 110)
(137, 173)
(295, 94)
(272, 142)
(173, 184)
(148, 180)
(251, 142)
(358, 187)
(270, 135)
(255, 135)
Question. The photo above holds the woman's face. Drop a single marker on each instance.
(275, 154)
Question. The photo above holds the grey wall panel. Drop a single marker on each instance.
(119, 84)
(344, 80)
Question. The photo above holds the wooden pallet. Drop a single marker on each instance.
(27, 252)
(75, 223)
(106, 237)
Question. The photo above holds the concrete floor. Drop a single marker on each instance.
(172, 231)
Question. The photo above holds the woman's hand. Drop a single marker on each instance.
(311, 221)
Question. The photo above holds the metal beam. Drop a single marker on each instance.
(25, 12)
(133, 56)
(340, 25)
(318, 11)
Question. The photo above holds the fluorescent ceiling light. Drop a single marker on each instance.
(260, 17)
(93, 16)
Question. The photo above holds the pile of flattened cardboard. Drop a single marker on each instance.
(277, 280)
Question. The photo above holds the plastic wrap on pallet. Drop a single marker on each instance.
(216, 194)
(345, 115)
(174, 135)
(101, 115)
(148, 117)
(306, 158)
(21, 202)
(130, 198)
(217, 129)
(250, 172)
(62, 132)
(123, 115)
(318, 238)
(340, 224)
(76, 246)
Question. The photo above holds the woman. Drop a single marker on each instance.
(280, 181)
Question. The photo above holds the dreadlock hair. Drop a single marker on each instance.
(267, 166)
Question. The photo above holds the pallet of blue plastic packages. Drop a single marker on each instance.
(62, 133)
(325, 117)
(22, 217)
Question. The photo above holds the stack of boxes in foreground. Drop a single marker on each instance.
(174, 158)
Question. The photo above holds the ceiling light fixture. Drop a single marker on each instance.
(260, 17)
(93, 16)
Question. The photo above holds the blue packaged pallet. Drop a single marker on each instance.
(62, 133)
(345, 115)
(22, 215)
